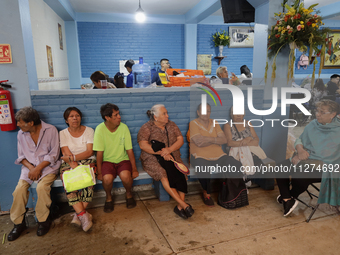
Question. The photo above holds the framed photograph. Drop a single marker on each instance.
(60, 37)
(241, 37)
(49, 61)
(332, 54)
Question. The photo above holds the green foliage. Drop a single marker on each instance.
(221, 38)
(297, 25)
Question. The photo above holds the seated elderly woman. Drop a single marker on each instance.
(242, 137)
(76, 144)
(160, 140)
(320, 141)
(222, 73)
(205, 149)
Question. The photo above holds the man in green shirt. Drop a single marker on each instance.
(112, 141)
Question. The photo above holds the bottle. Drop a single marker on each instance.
(141, 75)
(140, 60)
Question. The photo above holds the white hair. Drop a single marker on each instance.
(154, 111)
(220, 70)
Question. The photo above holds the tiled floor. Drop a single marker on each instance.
(153, 228)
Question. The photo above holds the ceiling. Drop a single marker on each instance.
(153, 7)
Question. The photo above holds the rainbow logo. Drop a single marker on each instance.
(213, 90)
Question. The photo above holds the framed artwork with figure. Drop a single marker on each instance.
(241, 36)
(332, 54)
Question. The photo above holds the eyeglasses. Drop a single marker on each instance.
(321, 112)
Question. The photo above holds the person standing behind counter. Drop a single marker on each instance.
(129, 79)
(164, 65)
(98, 76)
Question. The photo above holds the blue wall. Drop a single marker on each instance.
(235, 57)
(102, 45)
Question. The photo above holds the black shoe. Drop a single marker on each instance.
(279, 199)
(208, 201)
(180, 213)
(44, 227)
(16, 231)
(130, 203)
(189, 211)
(108, 207)
(289, 206)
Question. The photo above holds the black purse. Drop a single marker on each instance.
(233, 194)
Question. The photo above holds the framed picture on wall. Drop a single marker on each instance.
(49, 61)
(60, 37)
(241, 37)
(332, 54)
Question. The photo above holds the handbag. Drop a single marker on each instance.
(233, 194)
(79, 178)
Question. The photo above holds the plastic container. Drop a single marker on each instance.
(141, 75)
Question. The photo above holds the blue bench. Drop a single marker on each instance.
(158, 187)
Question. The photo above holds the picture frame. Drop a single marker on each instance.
(60, 32)
(241, 36)
(49, 61)
(332, 54)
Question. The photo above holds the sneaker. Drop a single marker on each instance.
(76, 221)
(208, 201)
(86, 222)
(289, 206)
(279, 199)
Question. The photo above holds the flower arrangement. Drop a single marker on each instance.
(221, 38)
(298, 28)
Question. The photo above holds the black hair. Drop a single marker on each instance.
(106, 110)
(244, 69)
(335, 76)
(129, 63)
(163, 59)
(69, 110)
(119, 80)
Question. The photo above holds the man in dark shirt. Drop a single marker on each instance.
(333, 85)
(164, 65)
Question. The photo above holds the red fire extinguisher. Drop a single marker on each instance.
(7, 120)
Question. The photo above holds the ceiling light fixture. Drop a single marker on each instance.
(140, 15)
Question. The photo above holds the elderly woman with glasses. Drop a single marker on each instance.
(160, 140)
(320, 141)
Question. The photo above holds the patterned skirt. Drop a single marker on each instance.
(83, 195)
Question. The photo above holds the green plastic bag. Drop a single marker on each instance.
(79, 178)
